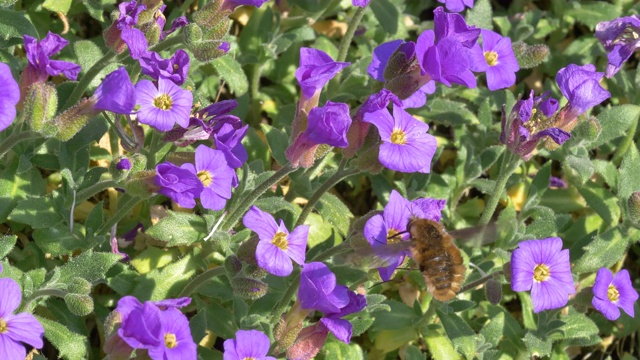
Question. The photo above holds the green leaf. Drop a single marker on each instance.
(166, 282)
(91, 266)
(387, 15)
(340, 351)
(278, 142)
(57, 240)
(602, 201)
(460, 333)
(62, 6)
(538, 346)
(578, 325)
(179, 228)
(628, 175)
(71, 346)
(88, 53)
(95, 218)
(14, 24)
(439, 345)
(7, 242)
(15, 186)
(36, 212)
(94, 8)
(229, 70)
(615, 122)
(603, 251)
(334, 211)
(273, 204)
(591, 13)
(450, 113)
(480, 15)
(582, 165)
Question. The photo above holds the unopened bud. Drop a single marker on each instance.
(367, 161)
(530, 56)
(634, 209)
(506, 269)
(79, 285)
(285, 335)
(112, 323)
(151, 32)
(120, 167)
(247, 288)
(78, 304)
(255, 271)
(589, 130)
(40, 108)
(232, 265)
(142, 184)
(181, 157)
(211, 15)
(138, 162)
(72, 120)
(493, 291)
(208, 50)
(247, 250)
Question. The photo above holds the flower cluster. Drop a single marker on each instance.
(620, 37)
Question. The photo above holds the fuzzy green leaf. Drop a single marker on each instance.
(179, 229)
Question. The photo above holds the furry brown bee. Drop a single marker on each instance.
(438, 258)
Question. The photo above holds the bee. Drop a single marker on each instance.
(437, 257)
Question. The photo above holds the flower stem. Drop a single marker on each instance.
(239, 210)
(98, 187)
(195, 283)
(481, 281)
(340, 174)
(38, 294)
(508, 166)
(124, 208)
(345, 43)
(15, 139)
(286, 299)
(255, 91)
(624, 145)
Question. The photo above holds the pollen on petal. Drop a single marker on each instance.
(170, 340)
(163, 102)
(398, 137)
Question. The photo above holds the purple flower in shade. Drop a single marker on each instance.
(216, 177)
(496, 58)
(557, 182)
(360, 3)
(232, 4)
(159, 327)
(613, 292)
(163, 106)
(123, 32)
(400, 75)
(326, 125)
(9, 96)
(544, 268)
(444, 53)
(175, 25)
(456, 5)
(228, 139)
(248, 344)
(40, 66)
(181, 184)
(316, 69)
(319, 289)
(620, 37)
(19, 328)
(116, 93)
(525, 126)
(581, 86)
(406, 145)
(174, 69)
(277, 247)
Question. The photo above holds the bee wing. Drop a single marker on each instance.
(370, 257)
(476, 236)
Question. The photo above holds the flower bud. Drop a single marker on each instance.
(210, 16)
(40, 108)
(367, 161)
(247, 250)
(310, 341)
(79, 304)
(285, 335)
(247, 288)
(493, 291)
(208, 50)
(232, 265)
(634, 209)
(255, 271)
(588, 130)
(72, 120)
(530, 56)
(138, 162)
(181, 157)
(142, 184)
(120, 167)
(79, 285)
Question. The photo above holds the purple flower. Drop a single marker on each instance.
(620, 37)
(613, 292)
(174, 69)
(19, 328)
(496, 58)
(428, 208)
(316, 69)
(456, 5)
(444, 53)
(206, 123)
(360, 3)
(406, 145)
(164, 332)
(9, 96)
(175, 25)
(216, 177)
(228, 139)
(248, 344)
(277, 247)
(123, 32)
(327, 125)
(319, 290)
(181, 184)
(544, 268)
(116, 93)
(163, 106)
(339, 327)
(38, 54)
(581, 86)
(232, 4)
(526, 126)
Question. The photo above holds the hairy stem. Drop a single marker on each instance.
(16, 138)
(481, 281)
(88, 77)
(345, 43)
(195, 283)
(96, 188)
(46, 292)
(124, 208)
(508, 166)
(624, 145)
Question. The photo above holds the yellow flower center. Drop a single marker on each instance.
(170, 340)
(398, 137)
(280, 240)
(4, 327)
(612, 294)
(541, 273)
(491, 57)
(163, 102)
(205, 177)
(391, 236)
(249, 358)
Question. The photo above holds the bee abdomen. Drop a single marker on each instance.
(444, 280)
